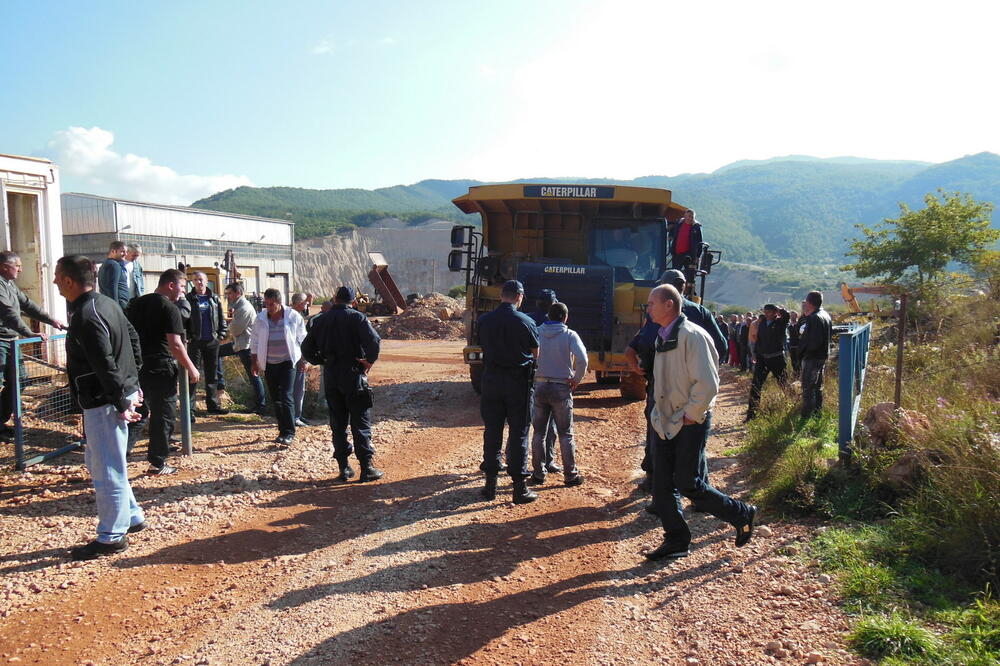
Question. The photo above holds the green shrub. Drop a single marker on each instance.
(881, 636)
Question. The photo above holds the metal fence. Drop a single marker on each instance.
(47, 422)
(853, 361)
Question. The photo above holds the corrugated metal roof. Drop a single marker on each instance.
(186, 209)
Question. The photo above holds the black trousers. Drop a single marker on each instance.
(764, 367)
(279, 378)
(205, 356)
(348, 409)
(506, 398)
(679, 469)
(159, 390)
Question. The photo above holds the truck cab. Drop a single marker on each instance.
(600, 247)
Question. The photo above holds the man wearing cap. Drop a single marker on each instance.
(509, 340)
(771, 335)
(344, 341)
(546, 297)
(697, 314)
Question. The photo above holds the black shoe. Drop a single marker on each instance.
(138, 527)
(575, 480)
(369, 473)
(260, 411)
(744, 532)
(535, 480)
(96, 549)
(346, 472)
(218, 411)
(489, 491)
(651, 508)
(522, 495)
(280, 439)
(173, 448)
(554, 468)
(669, 550)
(161, 471)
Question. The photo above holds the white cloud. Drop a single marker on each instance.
(387, 41)
(322, 48)
(85, 157)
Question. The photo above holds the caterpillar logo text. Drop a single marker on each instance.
(574, 270)
(569, 191)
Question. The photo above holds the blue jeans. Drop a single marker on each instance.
(260, 401)
(104, 455)
(679, 468)
(553, 403)
(299, 391)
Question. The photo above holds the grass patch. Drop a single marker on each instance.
(882, 636)
(242, 418)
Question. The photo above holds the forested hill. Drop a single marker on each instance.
(794, 207)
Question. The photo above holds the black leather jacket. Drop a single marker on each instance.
(815, 332)
(219, 325)
(102, 353)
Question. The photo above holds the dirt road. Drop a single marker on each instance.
(257, 556)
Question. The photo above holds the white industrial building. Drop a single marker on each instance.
(29, 209)
(169, 235)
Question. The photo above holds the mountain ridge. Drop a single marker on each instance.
(795, 207)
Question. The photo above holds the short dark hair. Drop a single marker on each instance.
(815, 299)
(116, 245)
(171, 275)
(558, 312)
(273, 294)
(235, 286)
(770, 307)
(79, 269)
(8, 257)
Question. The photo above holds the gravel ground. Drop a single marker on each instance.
(258, 556)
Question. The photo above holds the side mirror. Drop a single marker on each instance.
(456, 259)
(458, 237)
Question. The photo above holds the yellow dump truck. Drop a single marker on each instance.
(600, 247)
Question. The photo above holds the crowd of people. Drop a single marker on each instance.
(125, 350)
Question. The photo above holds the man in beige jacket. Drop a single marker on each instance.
(686, 383)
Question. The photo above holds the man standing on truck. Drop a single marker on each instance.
(685, 241)
(509, 340)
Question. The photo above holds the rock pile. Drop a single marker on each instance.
(430, 317)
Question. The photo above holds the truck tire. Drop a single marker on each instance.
(476, 377)
(633, 386)
(606, 378)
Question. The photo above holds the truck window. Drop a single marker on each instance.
(637, 248)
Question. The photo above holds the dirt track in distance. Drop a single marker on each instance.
(257, 556)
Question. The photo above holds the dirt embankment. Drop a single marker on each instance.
(258, 556)
(417, 258)
(432, 317)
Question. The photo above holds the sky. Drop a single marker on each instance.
(171, 102)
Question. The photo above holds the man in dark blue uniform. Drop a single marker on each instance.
(347, 346)
(546, 297)
(697, 314)
(509, 341)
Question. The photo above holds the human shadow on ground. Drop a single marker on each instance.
(326, 516)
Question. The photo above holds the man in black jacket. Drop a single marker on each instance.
(815, 333)
(770, 353)
(13, 304)
(208, 327)
(344, 341)
(102, 361)
(696, 313)
(684, 242)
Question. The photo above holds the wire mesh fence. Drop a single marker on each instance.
(47, 421)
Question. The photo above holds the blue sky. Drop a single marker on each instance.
(171, 101)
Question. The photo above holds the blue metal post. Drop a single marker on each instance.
(853, 361)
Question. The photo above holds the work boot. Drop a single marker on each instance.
(369, 473)
(522, 495)
(489, 491)
(346, 471)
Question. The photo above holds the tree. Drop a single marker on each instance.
(916, 247)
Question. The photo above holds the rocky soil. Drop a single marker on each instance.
(258, 556)
(431, 317)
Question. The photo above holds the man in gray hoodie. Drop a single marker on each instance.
(562, 364)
